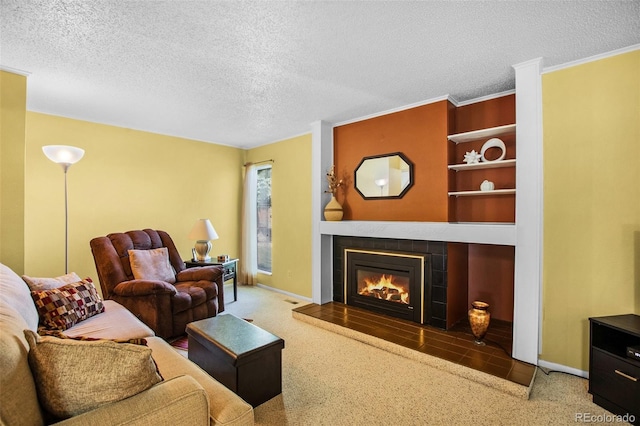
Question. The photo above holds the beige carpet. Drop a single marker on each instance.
(330, 379)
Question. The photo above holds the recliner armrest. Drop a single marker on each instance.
(200, 273)
(143, 288)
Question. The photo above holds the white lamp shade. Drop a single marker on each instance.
(203, 231)
(63, 154)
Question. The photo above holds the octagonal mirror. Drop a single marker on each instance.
(384, 176)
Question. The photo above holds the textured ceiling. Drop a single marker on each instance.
(249, 73)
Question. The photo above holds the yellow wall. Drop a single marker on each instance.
(130, 179)
(126, 180)
(591, 266)
(291, 214)
(13, 99)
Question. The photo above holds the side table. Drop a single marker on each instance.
(230, 271)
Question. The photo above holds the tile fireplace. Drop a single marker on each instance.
(387, 282)
(405, 279)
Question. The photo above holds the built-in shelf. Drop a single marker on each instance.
(476, 193)
(487, 165)
(492, 132)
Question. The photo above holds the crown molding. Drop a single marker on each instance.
(261, 144)
(485, 98)
(591, 58)
(15, 70)
(394, 110)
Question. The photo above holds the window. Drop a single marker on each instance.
(263, 217)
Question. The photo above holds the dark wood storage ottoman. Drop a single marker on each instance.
(238, 354)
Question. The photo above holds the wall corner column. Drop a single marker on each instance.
(321, 245)
(13, 108)
(529, 199)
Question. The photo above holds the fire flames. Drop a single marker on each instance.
(384, 288)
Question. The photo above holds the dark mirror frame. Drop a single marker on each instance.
(384, 197)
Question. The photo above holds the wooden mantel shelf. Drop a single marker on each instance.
(477, 232)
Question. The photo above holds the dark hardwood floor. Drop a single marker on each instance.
(455, 345)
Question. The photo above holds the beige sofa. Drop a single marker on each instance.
(187, 395)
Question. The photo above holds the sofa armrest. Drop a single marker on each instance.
(180, 400)
(204, 273)
(135, 288)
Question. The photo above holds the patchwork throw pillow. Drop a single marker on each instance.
(152, 265)
(74, 376)
(36, 283)
(61, 308)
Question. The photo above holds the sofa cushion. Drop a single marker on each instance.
(62, 308)
(179, 401)
(36, 283)
(116, 322)
(60, 335)
(15, 293)
(74, 376)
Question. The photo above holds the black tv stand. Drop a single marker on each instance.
(614, 378)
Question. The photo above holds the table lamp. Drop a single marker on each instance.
(203, 233)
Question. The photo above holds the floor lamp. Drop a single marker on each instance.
(65, 156)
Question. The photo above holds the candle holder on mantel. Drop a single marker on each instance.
(479, 318)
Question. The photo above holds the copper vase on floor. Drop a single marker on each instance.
(479, 318)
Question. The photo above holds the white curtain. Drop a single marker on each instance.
(249, 260)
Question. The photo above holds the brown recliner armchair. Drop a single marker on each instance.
(166, 308)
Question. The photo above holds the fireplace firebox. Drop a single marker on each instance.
(390, 283)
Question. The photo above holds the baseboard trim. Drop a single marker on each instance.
(552, 366)
(277, 290)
